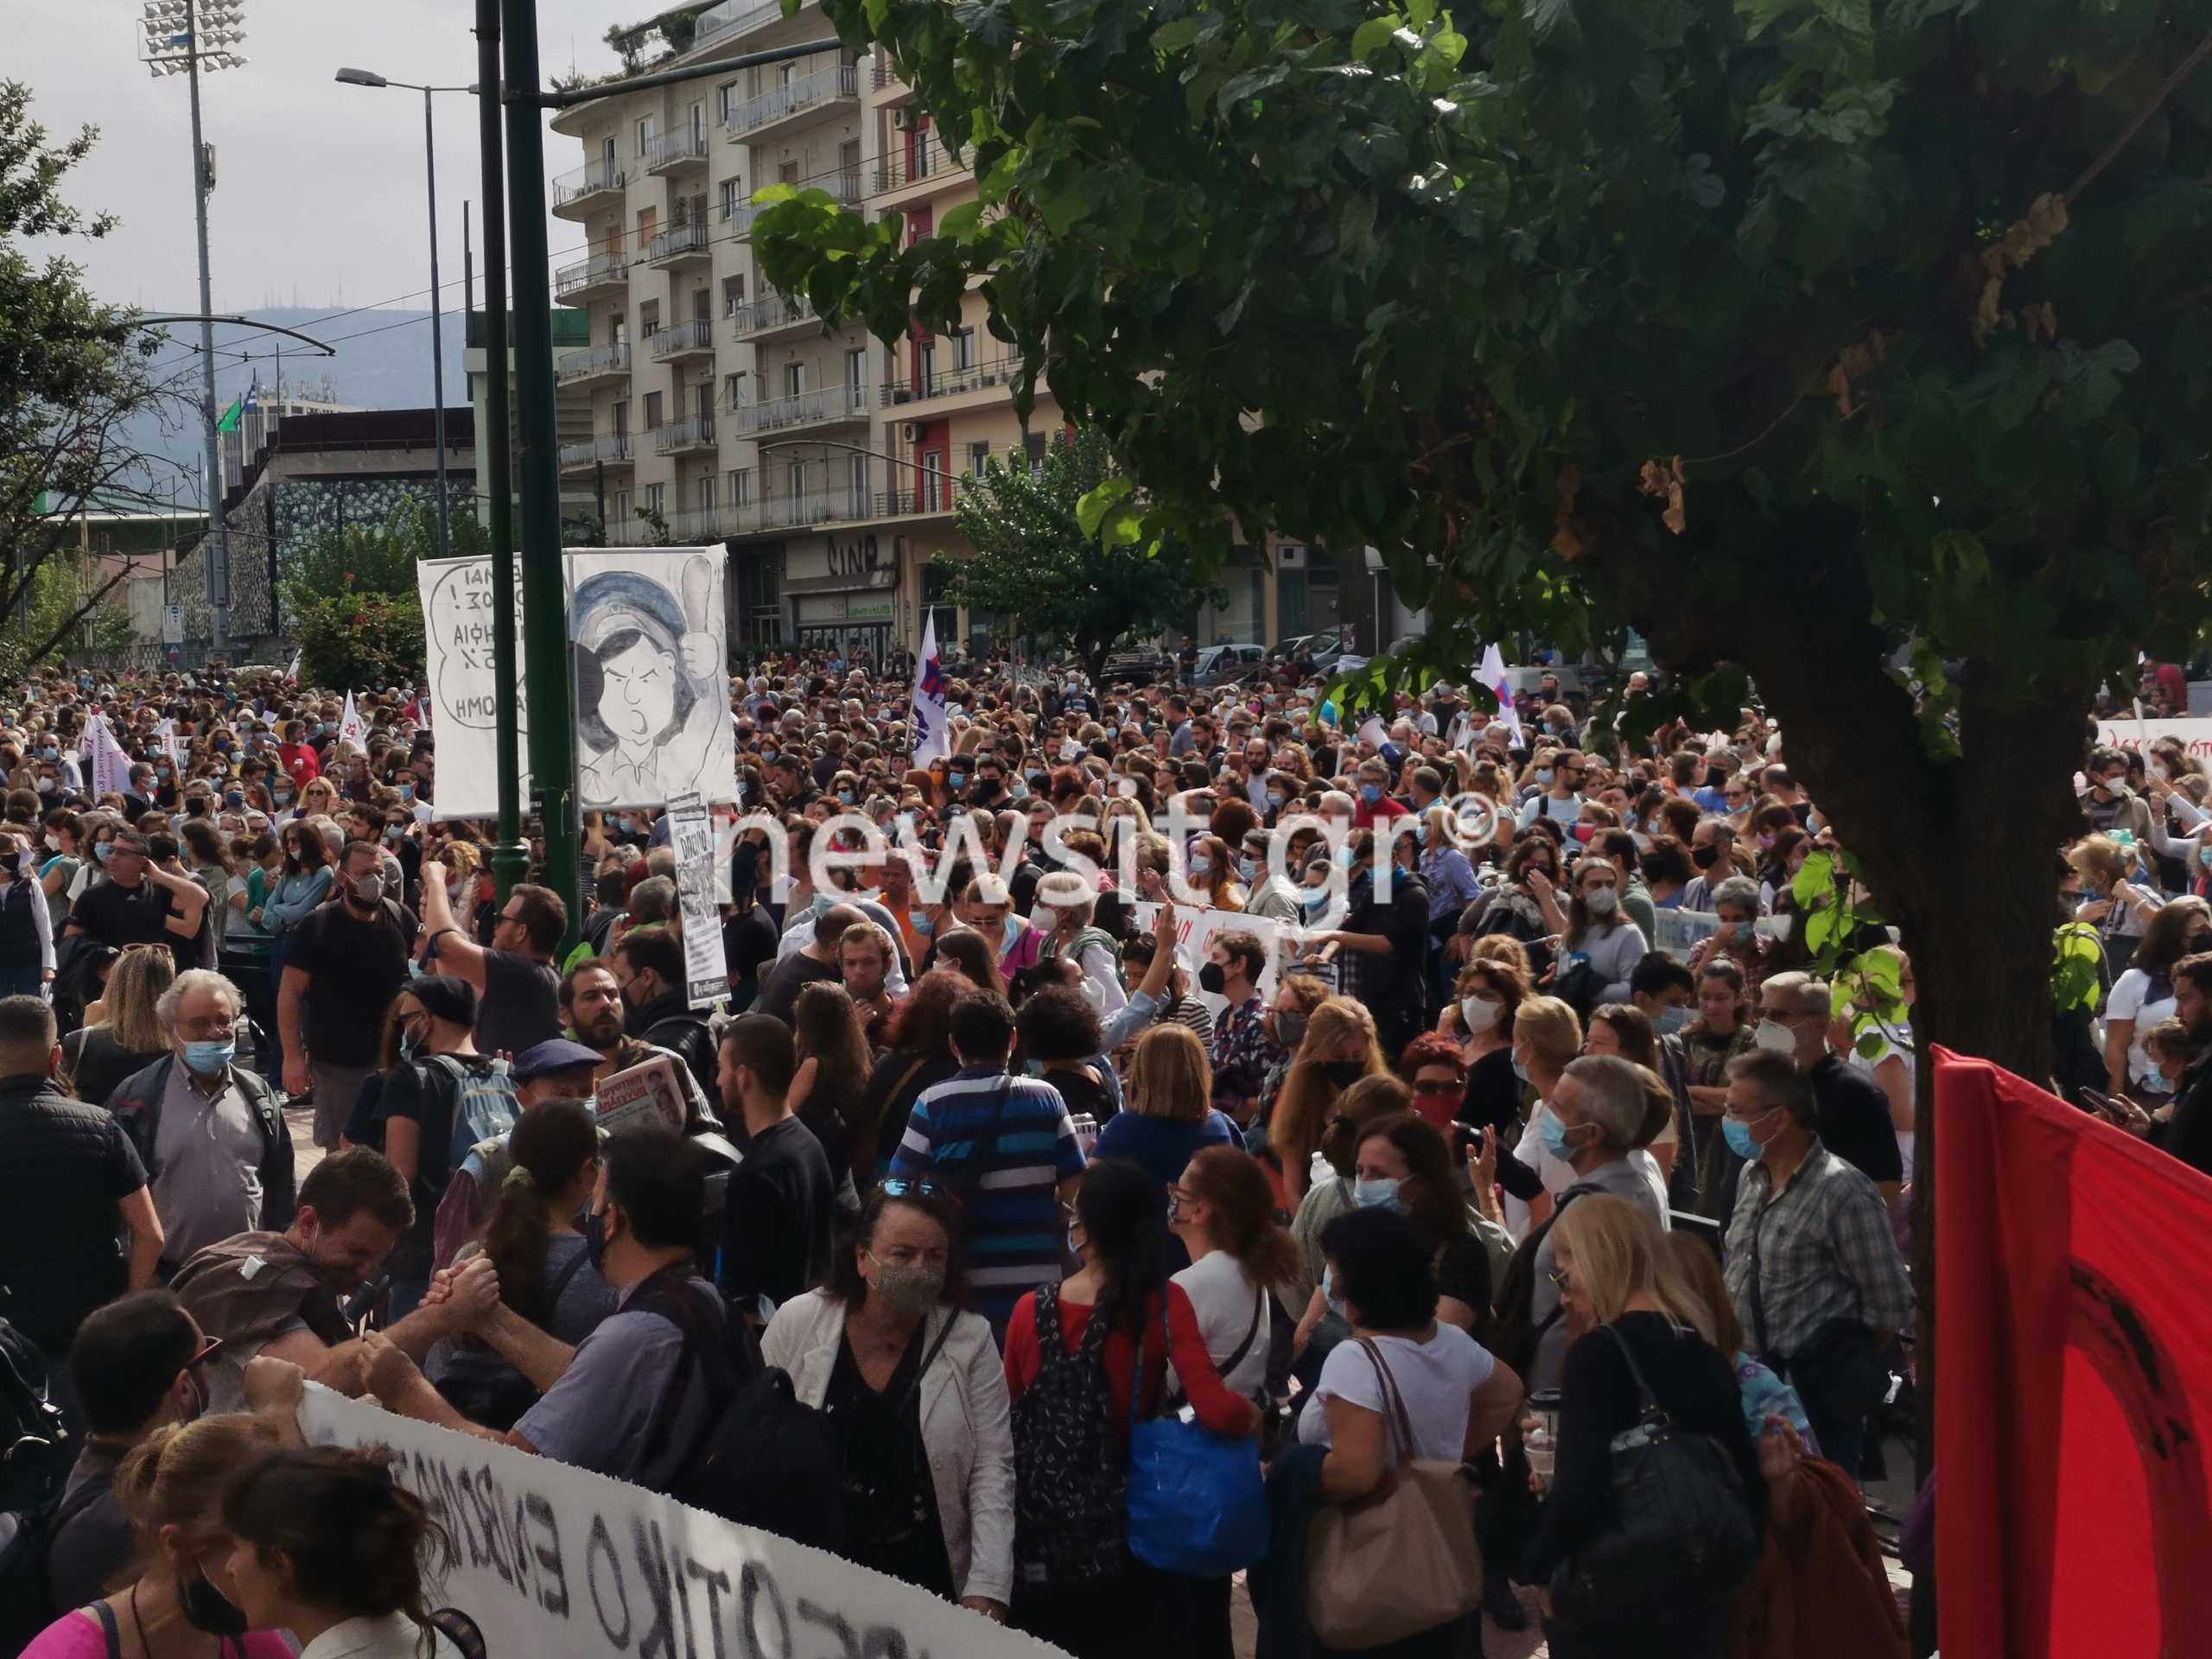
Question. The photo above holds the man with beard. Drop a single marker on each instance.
(278, 1293)
(592, 1006)
(515, 978)
(343, 966)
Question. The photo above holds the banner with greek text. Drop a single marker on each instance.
(691, 836)
(1676, 932)
(1195, 926)
(2194, 735)
(549, 1562)
(465, 687)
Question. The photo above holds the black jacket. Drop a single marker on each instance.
(137, 1103)
(672, 1023)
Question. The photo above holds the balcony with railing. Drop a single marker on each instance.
(573, 192)
(817, 97)
(830, 405)
(601, 273)
(947, 383)
(885, 78)
(680, 243)
(928, 162)
(610, 450)
(681, 437)
(671, 152)
(733, 18)
(578, 368)
(690, 338)
(935, 495)
(770, 313)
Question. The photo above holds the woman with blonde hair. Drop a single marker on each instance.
(1340, 1049)
(1168, 1116)
(180, 1602)
(1212, 869)
(123, 1032)
(1636, 1326)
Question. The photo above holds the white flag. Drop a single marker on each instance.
(293, 672)
(351, 728)
(174, 746)
(111, 767)
(933, 729)
(1492, 673)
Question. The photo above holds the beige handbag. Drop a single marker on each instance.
(1402, 1560)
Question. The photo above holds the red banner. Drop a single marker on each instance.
(2073, 1380)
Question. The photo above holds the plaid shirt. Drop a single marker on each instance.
(1243, 1053)
(1822, 1249)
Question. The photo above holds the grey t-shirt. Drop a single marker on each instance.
(1622, 1178)
(598, 1414)
(208, 1150)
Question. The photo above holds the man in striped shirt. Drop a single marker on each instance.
(1005, 1147)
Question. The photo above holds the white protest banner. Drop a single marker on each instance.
(465, 687)
(111, 767)
(1195, 926)
(353, 730)
(549, 1562)
(174, 746)
(691, 836)
(651, 656)
(646, 1094)
(2194, 735)
(1676, 932)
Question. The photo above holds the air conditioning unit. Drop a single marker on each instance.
(902, 119)
(911, 431)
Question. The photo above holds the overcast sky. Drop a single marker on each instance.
(318, 199)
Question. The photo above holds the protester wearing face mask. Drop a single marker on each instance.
(914, 1389)
(1853, 1115)
(212, 1134)
(138, 1367)
(1812, 1264)
(179, 1605)
(26, 926)
(1065, 909)
(1339, 1048)
(343, 965)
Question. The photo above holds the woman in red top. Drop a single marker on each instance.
(1120, 1230)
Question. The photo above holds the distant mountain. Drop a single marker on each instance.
(383, 361)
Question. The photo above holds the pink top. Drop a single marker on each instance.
(74, 1636)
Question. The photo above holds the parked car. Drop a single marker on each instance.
(1219, 664)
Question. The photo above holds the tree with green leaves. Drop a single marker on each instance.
(375, 558)
(1046, 558)
(1857, 350)
(74, 375)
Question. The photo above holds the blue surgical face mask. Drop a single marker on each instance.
(1370, 793)
(209, 1058)
(1317, 900)
(1329, 1292)
(100, 851)
(1668, 1021)
(1376, 1192)
(1201, 864)
(1554, 1135)
(1275, 798)
(1009, 934)
(1249, 868)
(844, 797)
(1544, 775)
(824, 903)
(1738, 1133)
(920, 922)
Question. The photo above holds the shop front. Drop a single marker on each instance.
(844, 593)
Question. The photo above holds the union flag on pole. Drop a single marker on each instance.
(933, 729)
(2073, 1379)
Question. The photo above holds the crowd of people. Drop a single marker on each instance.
(1442, 1150)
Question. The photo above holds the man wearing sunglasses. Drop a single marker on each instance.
(139, 1364)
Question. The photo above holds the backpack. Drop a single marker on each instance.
(765, 1459)
(484, 1108)
(36, 1451)
(1071, 1479)
(1517, 1332)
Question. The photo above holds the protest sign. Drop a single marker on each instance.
(548, 1561)
(2194, 735)
(1676, 932)
(111, 767)
(691, 836)
(648, 1093)
(465, 687)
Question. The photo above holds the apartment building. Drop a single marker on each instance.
(828, 463)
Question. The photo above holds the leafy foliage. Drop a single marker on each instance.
(1057, 549)
(74, 375)
(376, 558)
(1862, 350)
(361, 638)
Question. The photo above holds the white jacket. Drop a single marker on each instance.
(967, 1428)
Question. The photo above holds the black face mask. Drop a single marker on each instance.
(205, 1608)
(595, 1238)
(1212, 977)
(1343, 1073)
(1705, 857)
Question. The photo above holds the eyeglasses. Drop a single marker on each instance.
(1561, 1281)
(900, 1186)
(210, 1349)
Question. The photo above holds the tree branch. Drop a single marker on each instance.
(81, 612)
(2181, 72)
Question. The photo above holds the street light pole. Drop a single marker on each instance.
(437, 330)
(218, 547)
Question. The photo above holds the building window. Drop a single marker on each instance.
(1032, 448)
(740, 486)
(794, 379)
(655, 495)
(733, 295)
(652, 411)
(706, 489)
(928, 368)
(648, 130)
(649, 318)
(934, 493)
(856, 504)
(963, 349)
(734, 392)
(621, 509)
(726, 96)
(732, 197)
(794, 480)
(979, 456)
(787, 172)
